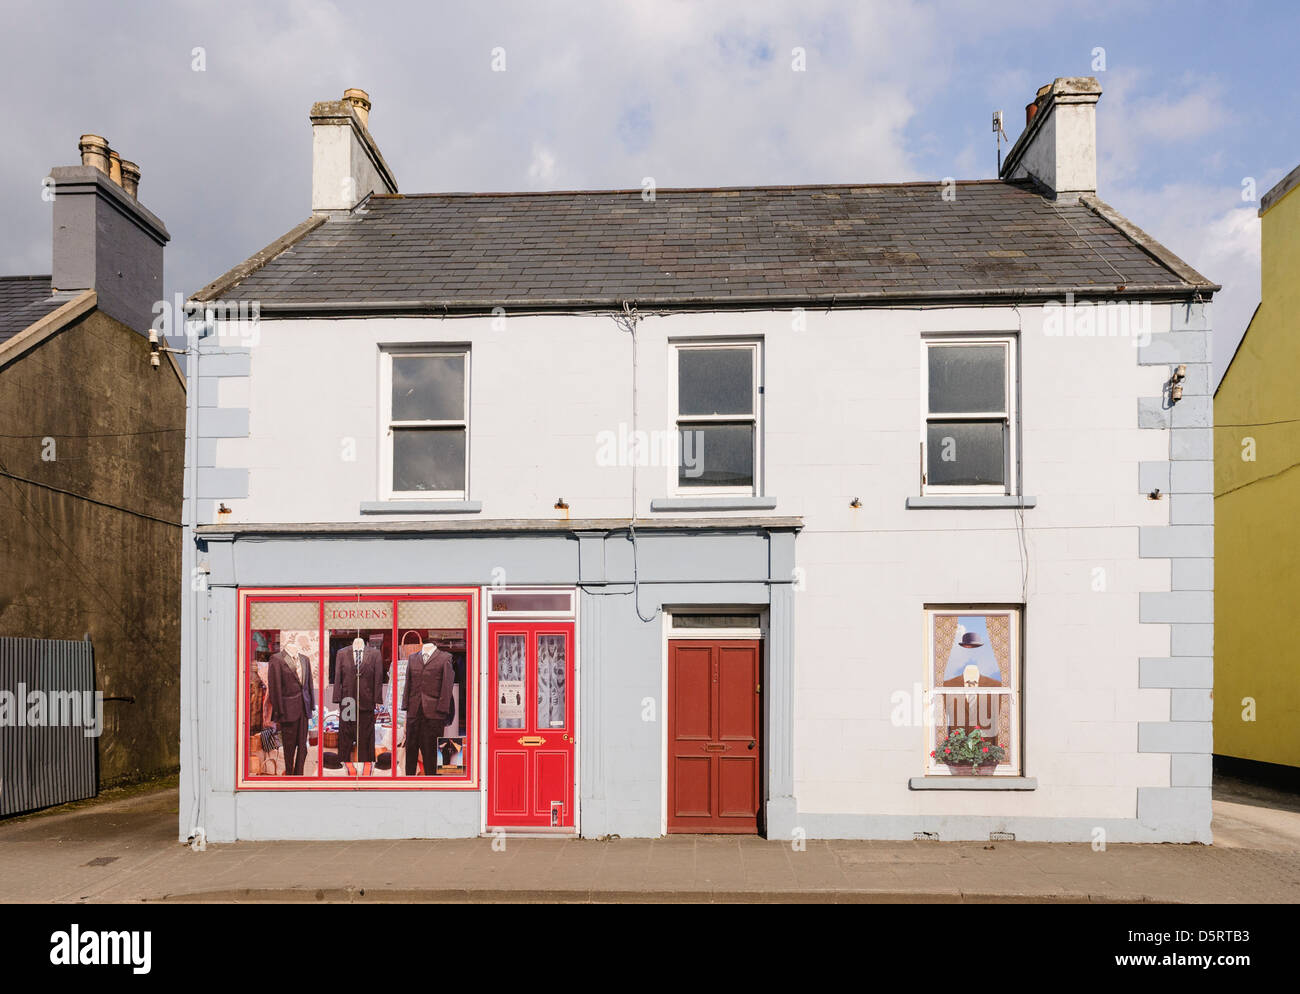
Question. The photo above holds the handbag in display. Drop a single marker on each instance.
(419, 641)
(451, 715)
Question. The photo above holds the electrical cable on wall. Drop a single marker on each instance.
(628, 321)
(1022, 539)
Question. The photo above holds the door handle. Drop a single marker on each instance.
(751, 744)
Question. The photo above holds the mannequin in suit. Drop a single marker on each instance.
(358, 687)
(289, 689)
(427, 703)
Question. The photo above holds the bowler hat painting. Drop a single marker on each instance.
(971, 648)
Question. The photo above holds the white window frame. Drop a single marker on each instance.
(387, 424)
(755, 347)
(1010, 414)
(1012, 766)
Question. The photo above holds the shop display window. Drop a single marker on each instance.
(358, 689)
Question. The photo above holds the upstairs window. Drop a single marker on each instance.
(426, 424)
(718, 438)
(970, 420)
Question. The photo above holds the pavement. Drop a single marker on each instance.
(123, 849)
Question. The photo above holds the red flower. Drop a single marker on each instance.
(932, 754)
(986, 748)
(947, 750)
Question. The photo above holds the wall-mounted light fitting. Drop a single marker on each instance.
(1176, 383)
(156, 349)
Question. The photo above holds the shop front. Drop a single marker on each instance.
(359, 683)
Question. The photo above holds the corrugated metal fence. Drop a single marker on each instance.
(46, 757)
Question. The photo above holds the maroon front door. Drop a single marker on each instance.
(714, 747)
(530, 725)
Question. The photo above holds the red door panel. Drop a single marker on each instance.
(693, 787)
(510, 773)
(714, 747)
(530, 725)
(551, 774)
(693, 669)
(737, 686)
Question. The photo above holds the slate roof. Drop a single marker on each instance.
(24, 300)
(720, 246)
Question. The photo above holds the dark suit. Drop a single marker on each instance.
(364, 687)
(427, 703)
(292, 703)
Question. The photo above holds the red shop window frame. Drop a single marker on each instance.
(396, 780)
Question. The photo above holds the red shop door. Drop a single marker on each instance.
(714, 748)
(530, 726)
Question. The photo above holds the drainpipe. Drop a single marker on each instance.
(189, 565)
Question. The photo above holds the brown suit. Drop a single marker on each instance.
(974, 711)
(356, 691)
(427, 703)
(292, 703)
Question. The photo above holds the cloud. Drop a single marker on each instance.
(594, 96)
(1142, 118)
(1216, 233)
(542, 171)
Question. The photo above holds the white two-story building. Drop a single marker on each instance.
(852, 511)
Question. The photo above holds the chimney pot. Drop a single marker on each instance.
(94, 152)
(130, 178)
(1058, 149)
(360, 100)
(114, 167)
(346, 165)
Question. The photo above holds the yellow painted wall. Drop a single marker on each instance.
(1257, 513)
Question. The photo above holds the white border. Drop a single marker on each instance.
(932, 768)
(385, 408)
(670, 635)
(576, 831)
(1011, 386)
(755, 344)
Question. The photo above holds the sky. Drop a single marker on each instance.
(1197, 119)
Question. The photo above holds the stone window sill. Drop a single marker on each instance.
(713, 504)
(973, 783)
(421, 506)
(968, 502)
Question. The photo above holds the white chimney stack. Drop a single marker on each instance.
(346, 164)
(1058, 148)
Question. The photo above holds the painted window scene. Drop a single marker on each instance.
(973, 681)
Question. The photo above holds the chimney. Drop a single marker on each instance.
(1058, 148)
(104, 239)
(346, 164)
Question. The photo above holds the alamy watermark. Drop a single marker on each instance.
(627, 447)
(53, 709)
(1107, 319)
(240, 320)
